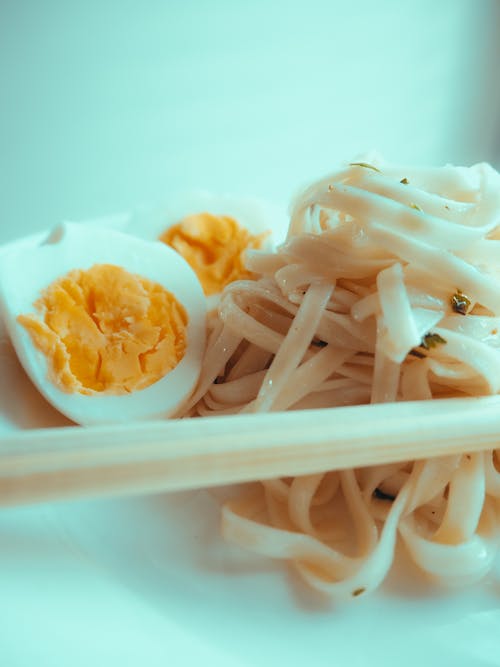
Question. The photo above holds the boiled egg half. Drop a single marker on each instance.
(213, 233)
(108, 327)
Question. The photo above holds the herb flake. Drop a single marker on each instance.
(404, 181)
(415, 206)
(460, 303)
(358, 591)
(365, 165)
(431, 340)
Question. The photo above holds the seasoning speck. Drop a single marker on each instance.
(431, 340)
(460, 303)
(365, 165)
(358, 591)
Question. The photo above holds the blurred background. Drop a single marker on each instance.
(106, 105)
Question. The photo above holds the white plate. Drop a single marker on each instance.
(150, 581)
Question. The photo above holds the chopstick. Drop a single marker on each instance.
(145, 457)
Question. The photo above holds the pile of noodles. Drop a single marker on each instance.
(387, 288)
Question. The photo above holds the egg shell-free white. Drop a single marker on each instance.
(28, 267)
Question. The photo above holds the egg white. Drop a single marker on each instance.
(31, 265)
(253, 214)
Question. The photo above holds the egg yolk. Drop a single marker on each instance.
(213, 245)
(107, 330)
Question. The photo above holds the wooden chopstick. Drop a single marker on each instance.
(75, 462)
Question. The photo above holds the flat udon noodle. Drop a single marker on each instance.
(337, 317)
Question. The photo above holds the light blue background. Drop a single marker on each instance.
(109, 104)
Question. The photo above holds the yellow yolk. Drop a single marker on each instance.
(107, 330)
(213, 246)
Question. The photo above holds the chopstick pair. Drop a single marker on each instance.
(75, 462)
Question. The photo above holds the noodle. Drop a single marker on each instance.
(387, 288)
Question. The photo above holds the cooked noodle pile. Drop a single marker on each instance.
(386, 289)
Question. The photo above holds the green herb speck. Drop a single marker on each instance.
(365, 165)
(460, 303)
(431, 340)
